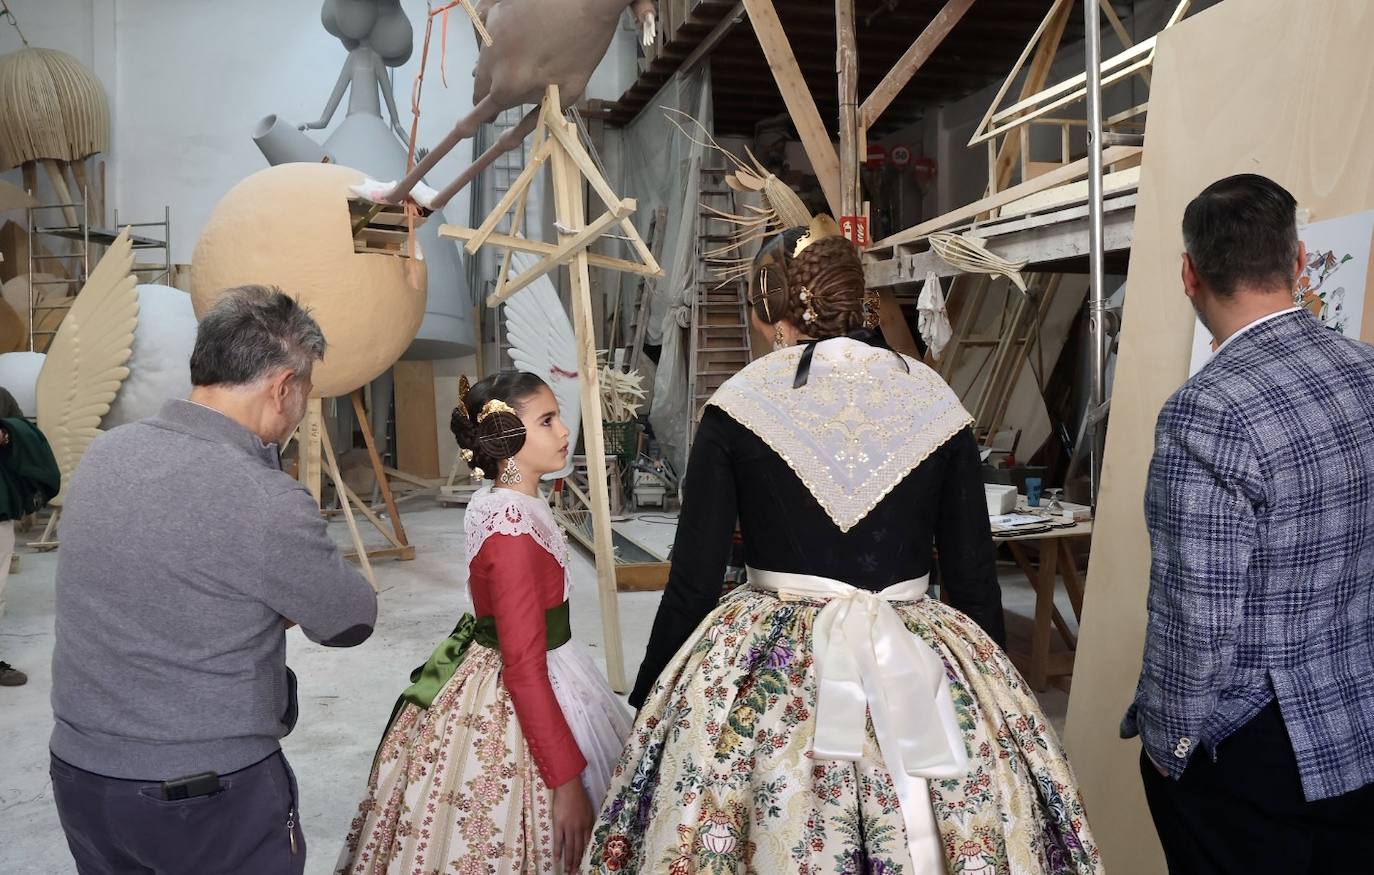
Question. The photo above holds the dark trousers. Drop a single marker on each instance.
(118, 827)
(1245, 814)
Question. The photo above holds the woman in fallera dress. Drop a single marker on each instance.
(829, 716)
(502, 746)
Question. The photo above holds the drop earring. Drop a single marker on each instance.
(778, 341)
(511, 473)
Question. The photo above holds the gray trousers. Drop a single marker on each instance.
(119, 827)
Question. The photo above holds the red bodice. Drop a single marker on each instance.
(514, 579)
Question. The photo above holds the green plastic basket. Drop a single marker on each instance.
(622, 438)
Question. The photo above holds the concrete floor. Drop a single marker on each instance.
(345, 695)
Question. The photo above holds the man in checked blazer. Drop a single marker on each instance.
(1255, 706)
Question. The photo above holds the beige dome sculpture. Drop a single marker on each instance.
(289, 226)
(52, 111)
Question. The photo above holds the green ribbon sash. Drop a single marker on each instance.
(427, 680)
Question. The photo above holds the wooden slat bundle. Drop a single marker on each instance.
(51, 107)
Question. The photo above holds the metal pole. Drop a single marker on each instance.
(1092, 29)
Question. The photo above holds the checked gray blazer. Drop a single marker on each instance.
(1260, 508)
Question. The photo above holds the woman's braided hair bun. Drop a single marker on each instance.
(500, 434)
(829, 275)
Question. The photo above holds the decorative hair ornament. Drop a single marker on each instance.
(762, 297)
(467, 455)
(463, 387)
(804, 295)
(872, 309)
(493, 407)
(822, 226)
(781, 207)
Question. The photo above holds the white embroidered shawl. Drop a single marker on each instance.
(493, 511)
(855, 430)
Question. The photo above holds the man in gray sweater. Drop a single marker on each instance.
(186, 554)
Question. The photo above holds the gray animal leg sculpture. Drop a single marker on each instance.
(509, 140)
(387, 193)
(535, 44)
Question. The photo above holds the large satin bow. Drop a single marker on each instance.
(869, 663)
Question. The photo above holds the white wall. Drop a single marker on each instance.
(188, 79)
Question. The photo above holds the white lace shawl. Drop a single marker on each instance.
(493, 511)
(860, 424)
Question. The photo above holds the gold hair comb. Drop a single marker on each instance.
(493, 407)
(463, 387)
(822, 226)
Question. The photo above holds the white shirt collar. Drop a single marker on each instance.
(1258, 322)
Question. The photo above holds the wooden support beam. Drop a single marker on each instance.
(383, 486)
(1133, 60)
(517, 191)
(539, 247)
(916, 56)
(568, 250)
(569, 210)
(1058, 11)
(1046, 48)
(562, 131)
(517, 226)
(1117, 26)
(847, 65)
(342, 491)
(482, 33)
(800, 106)
(1073, 85)
(1067, 173)
(349, 496)
(711, 40)
(310, 465)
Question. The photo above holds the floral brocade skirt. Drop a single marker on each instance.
(454, 788)
(718, 774)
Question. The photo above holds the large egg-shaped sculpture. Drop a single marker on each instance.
(289, 226)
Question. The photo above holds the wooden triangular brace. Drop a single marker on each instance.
(554, 137)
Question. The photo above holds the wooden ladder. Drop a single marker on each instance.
(720, 343)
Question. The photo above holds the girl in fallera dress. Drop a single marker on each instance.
(829, 716)
(502, 746)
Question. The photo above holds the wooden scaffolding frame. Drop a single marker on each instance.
(316, 459)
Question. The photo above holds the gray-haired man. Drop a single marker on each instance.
(186, 552)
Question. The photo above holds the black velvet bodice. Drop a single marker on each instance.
(734, 475)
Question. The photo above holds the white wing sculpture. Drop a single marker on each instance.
(542, 342)
(86, 359)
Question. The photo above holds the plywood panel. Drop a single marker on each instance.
(1303, 118)
(417, 439)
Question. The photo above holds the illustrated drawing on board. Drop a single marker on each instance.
(1315, 295)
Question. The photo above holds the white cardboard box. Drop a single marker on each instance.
(1001, 499)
